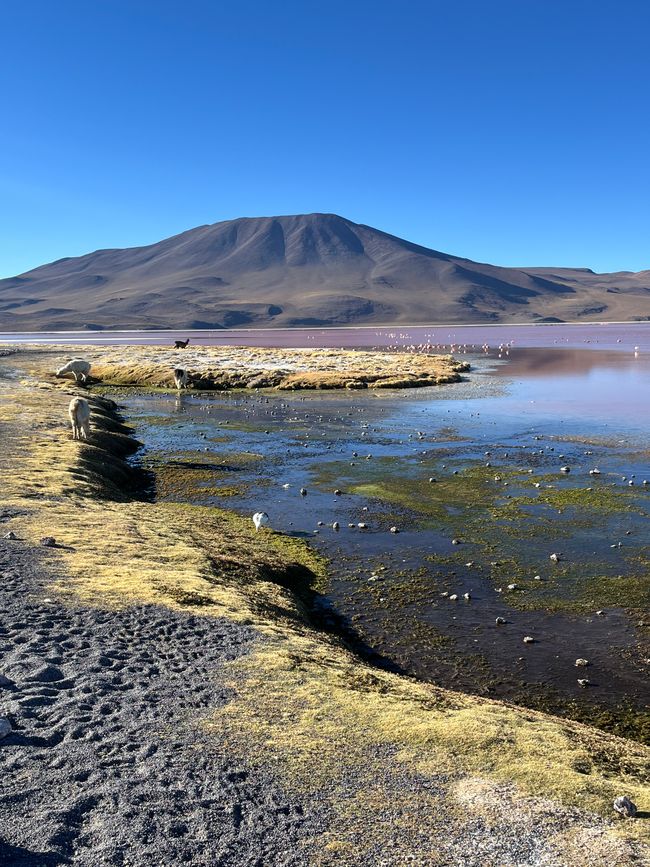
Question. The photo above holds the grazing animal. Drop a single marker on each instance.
(77, 366)
(260, 519)
(79, 411)
(181, 344)
(181, 377)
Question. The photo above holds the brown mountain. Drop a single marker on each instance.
(310, 270)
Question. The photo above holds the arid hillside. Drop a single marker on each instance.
(306, 270)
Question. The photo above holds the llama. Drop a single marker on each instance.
(181, 377)
(260, 519)
(77, 366)
(79, 412)
(181, 344)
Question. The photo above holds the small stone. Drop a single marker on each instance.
(394, 530)
(625, 807)
(528, 639)
(537, 577)
(432, 480)
(303, 492)
(500, 621)
(445, 593)
(362, 526)
(565, 469)
(512, 587)
(5, 728)
(10, 535)
(555, 558)
(581, 663)
(466, 596)
(455, 541)
(335, 525)
(48, 542)
(337, 493)
(453, 597)
(600, 613)
(583, 682)
(594, 472)
(320, 523)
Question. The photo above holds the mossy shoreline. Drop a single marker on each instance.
(302, 702)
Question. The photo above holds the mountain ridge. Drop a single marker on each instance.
(303, 270)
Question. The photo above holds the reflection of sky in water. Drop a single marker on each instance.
(609, 395)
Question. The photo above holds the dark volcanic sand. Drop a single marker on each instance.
(108, 763)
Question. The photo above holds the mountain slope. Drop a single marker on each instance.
(314, 269)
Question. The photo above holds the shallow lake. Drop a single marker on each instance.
(497, 508)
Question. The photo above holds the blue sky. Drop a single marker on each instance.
(511, 131)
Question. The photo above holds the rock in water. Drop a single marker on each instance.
(10, 535)
(260, 519)
(581, 663)
(625, 807)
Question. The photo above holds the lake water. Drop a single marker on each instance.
(624, 336)
(495, 445)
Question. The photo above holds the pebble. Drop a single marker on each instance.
(580, 662)
(512, 586)
(394, 530)
(625, 807)
(565, 469)
(466, 596)
(453, 597)
(431, 481)
(337, 493)
(583, 682)
(528, 639)
(555, 558)
(303, 492)
(362, 526)
(455, 541)
(500, 621)
(10, 535)
(48, 542)
(335, 525)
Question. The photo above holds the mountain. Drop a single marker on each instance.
(306, 270)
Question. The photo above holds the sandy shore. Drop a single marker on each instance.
(174, 699)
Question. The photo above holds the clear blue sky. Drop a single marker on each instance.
(510, 131)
